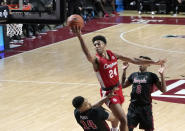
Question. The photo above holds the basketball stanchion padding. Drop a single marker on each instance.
(14, 29)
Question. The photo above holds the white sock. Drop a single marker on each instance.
(114, 129)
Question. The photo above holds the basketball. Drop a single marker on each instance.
(75, 20)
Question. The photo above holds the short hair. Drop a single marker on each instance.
(99, 37)
(145, 57)
(78, 101)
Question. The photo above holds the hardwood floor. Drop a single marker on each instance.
(36, 87)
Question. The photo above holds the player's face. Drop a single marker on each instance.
(85, 106)
(99, 46)
(143, 68)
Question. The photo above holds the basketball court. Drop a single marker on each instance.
(39, 80)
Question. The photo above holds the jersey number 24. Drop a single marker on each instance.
(113, 73)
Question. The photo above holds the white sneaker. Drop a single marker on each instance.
(139, 12)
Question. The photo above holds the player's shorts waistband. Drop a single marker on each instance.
(110, 87)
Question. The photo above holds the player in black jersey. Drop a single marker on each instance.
(92, 117)
(140, 108)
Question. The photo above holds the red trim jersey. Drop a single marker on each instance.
(107, 73)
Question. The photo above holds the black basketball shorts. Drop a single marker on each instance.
(141, 115)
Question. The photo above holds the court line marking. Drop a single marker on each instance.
(50, 82)
(59, 42)
(180, 92)
(170, 87)
(144, 46)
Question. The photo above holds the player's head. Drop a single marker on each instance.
(81, 103)
(99, 42)
(143, 68)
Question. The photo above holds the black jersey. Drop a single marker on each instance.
(93, 119)
(142, 87)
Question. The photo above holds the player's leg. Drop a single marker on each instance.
(113, 7)
(116, 122)
(99, 5)
(115, 125)
(120, 115)
(146, 118)
(116, 106)
(132, 118)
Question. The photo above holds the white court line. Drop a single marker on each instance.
(170, 87)
(50, 82)
(181, 92)
(59, 83)
(143, 46)
(60, 42)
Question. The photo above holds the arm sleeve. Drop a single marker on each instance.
(76, 116)
(130, 78)
(155, 78)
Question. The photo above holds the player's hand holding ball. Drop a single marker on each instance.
(76, 23)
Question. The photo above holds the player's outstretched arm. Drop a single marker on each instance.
(111, 117)
(123, 78)
(161, 85)
(76, 30)
(139, 61)
(104, 99)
